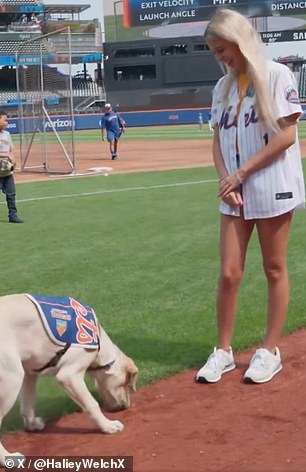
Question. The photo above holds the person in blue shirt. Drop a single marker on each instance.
(113, 126)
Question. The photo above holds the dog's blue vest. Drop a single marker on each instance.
(67, 320)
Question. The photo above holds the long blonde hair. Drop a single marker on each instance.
(232, 26)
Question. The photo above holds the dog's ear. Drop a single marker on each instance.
(133, 381)
(132, 375)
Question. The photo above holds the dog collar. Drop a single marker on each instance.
(100, 367)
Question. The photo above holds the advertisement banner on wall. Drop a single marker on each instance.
(150, 118)
(156, 12)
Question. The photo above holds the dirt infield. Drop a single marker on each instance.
(177, 425)
(135, 157)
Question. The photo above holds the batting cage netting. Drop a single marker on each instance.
(44, 85)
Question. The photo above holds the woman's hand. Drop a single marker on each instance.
(228, 184)
(234, 198)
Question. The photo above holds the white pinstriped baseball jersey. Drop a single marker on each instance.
(279, 187)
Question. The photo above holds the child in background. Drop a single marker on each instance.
(7, 164)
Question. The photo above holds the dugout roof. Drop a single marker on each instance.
(66, 8)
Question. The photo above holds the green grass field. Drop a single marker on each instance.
(142, 249)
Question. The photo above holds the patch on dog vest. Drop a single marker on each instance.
(67, 320)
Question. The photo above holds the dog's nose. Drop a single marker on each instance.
(122, 405)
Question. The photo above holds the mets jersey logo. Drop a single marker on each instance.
(292, 95)
(66, 320)
(229, 118)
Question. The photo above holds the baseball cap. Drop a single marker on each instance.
(107, 105)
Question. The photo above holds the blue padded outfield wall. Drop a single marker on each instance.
(144, 118)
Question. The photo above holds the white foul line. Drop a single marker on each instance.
(125, 189)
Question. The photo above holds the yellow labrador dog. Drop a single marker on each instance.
(27, 350)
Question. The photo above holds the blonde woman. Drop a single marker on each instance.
(255, 111)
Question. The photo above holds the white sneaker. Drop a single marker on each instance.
(218, 363)
(263, 366)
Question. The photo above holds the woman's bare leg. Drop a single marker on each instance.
(235, 234)
(273, 237)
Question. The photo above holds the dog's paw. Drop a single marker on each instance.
(35, 424)
(113, 427)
